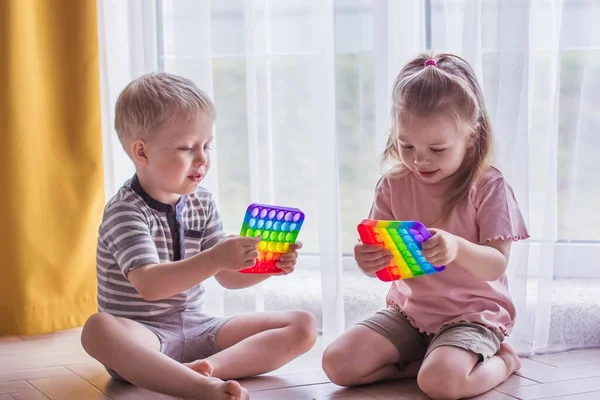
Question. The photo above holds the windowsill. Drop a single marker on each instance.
(570, 259)
(574, 315)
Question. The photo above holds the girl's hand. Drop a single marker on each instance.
(287, 262)
(371, 258)
(441, 248)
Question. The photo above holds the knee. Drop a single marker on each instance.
(440, 382)
(96, 327)
(336, 365)
(304, 326)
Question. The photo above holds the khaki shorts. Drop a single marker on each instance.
(414, 346)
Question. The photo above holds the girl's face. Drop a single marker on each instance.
(432, 147)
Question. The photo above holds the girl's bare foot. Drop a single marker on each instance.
(508, 354)
(202, 367)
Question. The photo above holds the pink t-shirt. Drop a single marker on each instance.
(489, 213)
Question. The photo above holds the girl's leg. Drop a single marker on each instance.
(451, 372)
(361, 356)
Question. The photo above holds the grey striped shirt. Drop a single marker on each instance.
(137, 230)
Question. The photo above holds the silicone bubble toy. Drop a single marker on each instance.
(278, 227)
(403, 239)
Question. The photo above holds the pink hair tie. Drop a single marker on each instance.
(430, 62)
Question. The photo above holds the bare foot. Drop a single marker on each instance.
(230, 390)
(216, 389)
(508, 354)
(202, 367)
(235, 391)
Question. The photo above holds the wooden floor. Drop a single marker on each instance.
(56, 367)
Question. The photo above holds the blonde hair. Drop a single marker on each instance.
(447, 86)
(153, 101)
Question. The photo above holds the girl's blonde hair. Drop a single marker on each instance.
(445, 85)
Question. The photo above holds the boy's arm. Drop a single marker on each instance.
(161, 281)
(236, 280)
(126, 234)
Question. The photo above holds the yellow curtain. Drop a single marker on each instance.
(51, 189)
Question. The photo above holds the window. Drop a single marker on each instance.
(284, 62)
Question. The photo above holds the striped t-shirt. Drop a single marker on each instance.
(137, 230)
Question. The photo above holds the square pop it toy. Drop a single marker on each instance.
(278, 226)
(404, 240)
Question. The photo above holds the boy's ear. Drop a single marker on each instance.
(138, 152)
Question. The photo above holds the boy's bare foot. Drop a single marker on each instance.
(202, 367)
(508, 354)
(220, 390)
(230, 390)
(235, 391)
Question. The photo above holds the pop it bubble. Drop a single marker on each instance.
(278, 226)
(404, 240)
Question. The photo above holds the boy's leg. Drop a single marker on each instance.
(375, 350)
(133, 351)
(452, 371)
(257, 343)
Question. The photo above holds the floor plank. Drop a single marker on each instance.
(67, 388)
(492, 395)
(55, 366)
(10, 339)
(570, 358)
(307, 392)
(32, 373)
(580, 396)
(96, 375)
(515, 381)
(403, 389)
(30, 361)
(20, 391)
(554, 389)
(283, 381)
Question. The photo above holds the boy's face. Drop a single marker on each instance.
(176, 159)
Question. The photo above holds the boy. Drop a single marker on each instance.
(160, 237)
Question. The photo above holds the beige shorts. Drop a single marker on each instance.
(184, 336)
(414, 346)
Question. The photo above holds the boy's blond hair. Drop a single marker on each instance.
(153, 101)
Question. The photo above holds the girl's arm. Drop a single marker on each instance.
(486, 261)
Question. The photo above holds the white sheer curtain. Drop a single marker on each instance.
(302, 88)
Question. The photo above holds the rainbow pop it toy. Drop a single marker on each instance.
(279, 228)
(403, 239)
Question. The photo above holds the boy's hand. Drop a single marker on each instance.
(287, 262)
(235, 252)
(441, 248)
(371, 258)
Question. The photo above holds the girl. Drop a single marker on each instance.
(446, 329)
